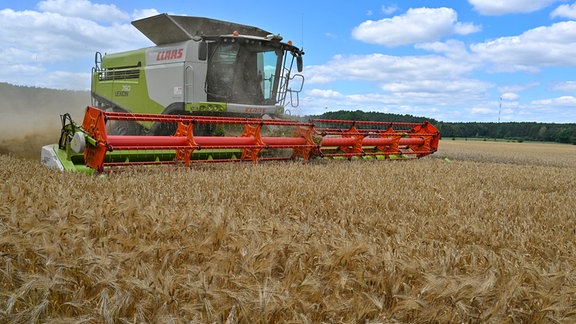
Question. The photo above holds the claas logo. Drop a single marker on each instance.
(170, 54)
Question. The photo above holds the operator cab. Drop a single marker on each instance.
(249, 70)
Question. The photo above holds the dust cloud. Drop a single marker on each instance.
(30, 117)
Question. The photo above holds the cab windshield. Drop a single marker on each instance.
(243, 73)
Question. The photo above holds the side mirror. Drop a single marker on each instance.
(299, 63)
(202, 50)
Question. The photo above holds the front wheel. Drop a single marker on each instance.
(166, 128)
(123, 127)
(169, 128)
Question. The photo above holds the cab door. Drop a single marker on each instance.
(188, 84)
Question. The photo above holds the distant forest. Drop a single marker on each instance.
(515, 131)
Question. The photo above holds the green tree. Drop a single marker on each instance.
(564, 136)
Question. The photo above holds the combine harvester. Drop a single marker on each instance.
(177, 103)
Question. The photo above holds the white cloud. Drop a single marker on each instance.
(23, 69)
(565, 11)
(416, 85)
(564, 101)
(39, 76)
(66, 80)
(52, 37)
(566, 86)
(482, 111)
(517, 87)
(466, 28)
(429, 85)
(439, 93)
(144, 13)
(542, 46)
(510, 96)
(388, 10)
(42, 40)
(383, 68)
(560, 109)
(416, 25)
(502, 7)
(452, 49)
(331, 35)
(436, 99)
(459, 87)
(83, 9)
(388, 103)
(325, 93)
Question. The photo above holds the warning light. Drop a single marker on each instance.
(235, 33)
(289, 42)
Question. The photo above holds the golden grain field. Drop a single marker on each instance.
(478, 232)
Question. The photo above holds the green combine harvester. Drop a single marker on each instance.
(180, 101)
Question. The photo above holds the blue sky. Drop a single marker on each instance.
(447, 60)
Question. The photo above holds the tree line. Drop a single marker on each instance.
(517, 131)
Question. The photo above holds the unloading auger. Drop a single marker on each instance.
(90, 148)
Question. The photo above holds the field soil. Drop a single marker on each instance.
(478, 232)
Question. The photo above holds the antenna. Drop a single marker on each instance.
(302, 31)
(500, 109)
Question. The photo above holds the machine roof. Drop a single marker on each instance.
(166, 29)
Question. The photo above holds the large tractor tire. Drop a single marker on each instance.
(123, 127)
(169, 128)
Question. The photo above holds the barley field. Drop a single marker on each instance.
(478, 232)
